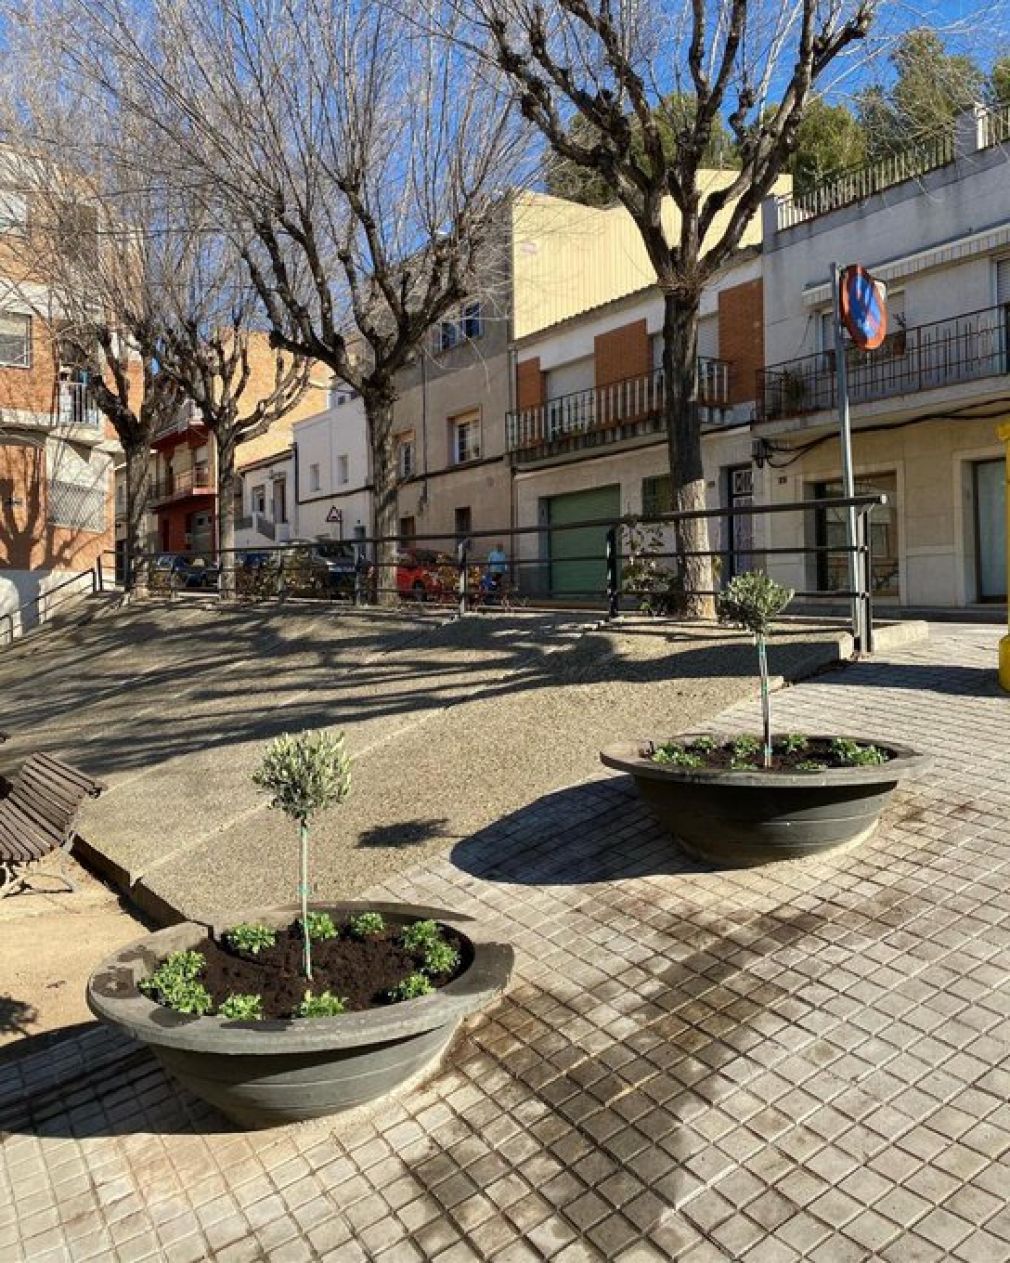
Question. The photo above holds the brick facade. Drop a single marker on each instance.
(741, 337)
(622, 353)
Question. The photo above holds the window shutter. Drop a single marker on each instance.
(1003, 282)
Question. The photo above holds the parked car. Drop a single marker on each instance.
(425, 575)
(178, 570)
(321, 567)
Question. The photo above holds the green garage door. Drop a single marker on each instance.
(578, 557)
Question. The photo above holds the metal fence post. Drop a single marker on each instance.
(867, 580)
(463, 581)
(98, 581)
(613, 579)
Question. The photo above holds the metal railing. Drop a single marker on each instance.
(75, 406)
(925, 357)
(989, 127)
(196, 480)
(585, 564)
(37, 611)
(633, 402)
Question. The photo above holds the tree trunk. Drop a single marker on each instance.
(379, 413)
(138, 489)
(683, 433)
(226, 478)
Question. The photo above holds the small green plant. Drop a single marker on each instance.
(250, 937)
(810, 765)
(305, 775)
(857, 755)
(319, 926)
(673, 755)
(366, 924)
(743, 763)
(413, 986)
(175, 983)
(704, 745)
(242, 1008)
(645, 576)
(745, 747)
(323, 1005)
(753, 601)
(420, 935)
(793, 743)
(440, 958)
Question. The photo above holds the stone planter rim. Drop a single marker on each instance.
(626, 756)
(113, 996)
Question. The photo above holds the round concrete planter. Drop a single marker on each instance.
(262, 1074)
(739, 819)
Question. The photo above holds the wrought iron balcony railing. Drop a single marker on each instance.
(925, 357)
(75, 407)
(635, 403)
(188, 482)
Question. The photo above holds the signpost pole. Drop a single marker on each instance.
(848, 480)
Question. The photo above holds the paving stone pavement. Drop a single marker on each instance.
(806, 1061)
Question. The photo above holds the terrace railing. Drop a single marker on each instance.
(635, 402)
(194, 481)
(925, 357)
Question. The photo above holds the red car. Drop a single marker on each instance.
(424, 575)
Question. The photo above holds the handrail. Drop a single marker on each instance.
(42, 598)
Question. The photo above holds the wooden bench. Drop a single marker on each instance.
(38, 816)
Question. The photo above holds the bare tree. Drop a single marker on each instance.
(84, 268)
(751, 63)
(358, 164)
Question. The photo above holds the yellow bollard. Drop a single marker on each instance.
(1003, 432)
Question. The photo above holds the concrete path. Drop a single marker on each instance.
(451, 725)
(806, 1061)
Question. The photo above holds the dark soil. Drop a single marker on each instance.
(361, 971)
(724, 757)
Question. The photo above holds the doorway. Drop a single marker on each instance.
(990, 530)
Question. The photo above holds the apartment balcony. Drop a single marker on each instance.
(173, 429)
(935, 356)
(188, 482)
(607, 414)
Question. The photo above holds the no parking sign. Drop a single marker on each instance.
(863, 309)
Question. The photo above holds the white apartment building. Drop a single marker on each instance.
(934, 225)
(331, 474)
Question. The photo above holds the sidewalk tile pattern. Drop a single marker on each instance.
(806, 1061)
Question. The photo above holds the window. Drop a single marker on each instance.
(472, 322)
(657, 496)
(314, 483)
(407, 530)
(465, 325)
(465, 433)
(405, 455)
(343, 474)
(15, 340)
(830, 531)
(258, 499)
(464, 523)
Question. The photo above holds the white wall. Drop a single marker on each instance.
(322, 440)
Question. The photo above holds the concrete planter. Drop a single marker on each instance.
(263, 1074)
(740, 819)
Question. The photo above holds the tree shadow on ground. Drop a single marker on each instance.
(404, 833)
(16, 1016)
